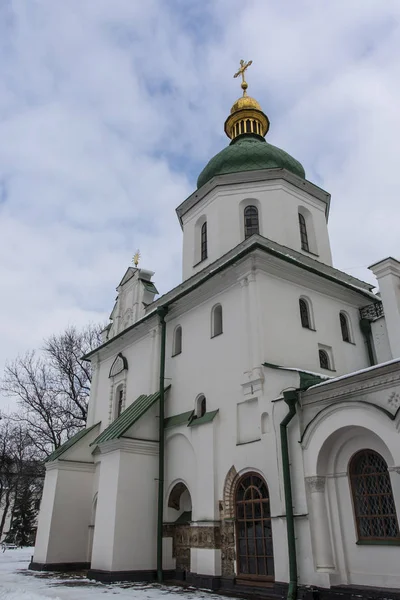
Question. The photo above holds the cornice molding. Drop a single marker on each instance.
(131, 446)
(248, 177)
(70, 465)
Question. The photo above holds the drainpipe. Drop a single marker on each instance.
(161, 311)
(365, 326)
(290, 398)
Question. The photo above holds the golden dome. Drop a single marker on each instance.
(246, 116)
(245, 102)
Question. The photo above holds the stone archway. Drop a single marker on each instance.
(227, 516)
(180, 516)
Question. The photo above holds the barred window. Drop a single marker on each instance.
(303, 233)
(255, 555)
(251, 225)
(304, 314)
(204, 241)
(373, 502)
(324, 360)
(344, 326)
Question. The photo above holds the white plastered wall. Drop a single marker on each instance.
(278, 203)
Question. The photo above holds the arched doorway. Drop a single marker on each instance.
(179, 515)
(254, 548)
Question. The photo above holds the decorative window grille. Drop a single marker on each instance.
(254, 550)
(373, 502)
(203, 241)
(344, 326)
(303, 233)
(216, 320)
(177, 343)
(251, 224)
(304, 314)
(324, 360)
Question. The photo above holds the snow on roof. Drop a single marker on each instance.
(334, 379)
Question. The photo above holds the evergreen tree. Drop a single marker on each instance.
(23, 521)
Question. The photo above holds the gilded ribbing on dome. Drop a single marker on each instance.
(246, 114)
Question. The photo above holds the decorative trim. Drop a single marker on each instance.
(228, 507)
(132, 446)
(71, 465)
(120, 364)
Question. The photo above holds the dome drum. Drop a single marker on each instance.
(246, 120)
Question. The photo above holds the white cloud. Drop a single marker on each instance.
(109, 110)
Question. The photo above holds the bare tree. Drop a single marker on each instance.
(20, 467)
(52, 387)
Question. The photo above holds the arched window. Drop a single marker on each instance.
(373, 502)
(177, 342)
(304, 314)
(251, 225)
(201, 406)
(203, 241)
(324, 362)
(344, 326)
(303, 233)
(216, 320)
(255, 555)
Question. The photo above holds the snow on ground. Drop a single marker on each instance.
(18, 583)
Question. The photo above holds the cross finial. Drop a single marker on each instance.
(243, 66)
(136, 258)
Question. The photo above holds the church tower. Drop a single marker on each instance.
(252, 187)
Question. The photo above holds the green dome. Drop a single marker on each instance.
(249, 153)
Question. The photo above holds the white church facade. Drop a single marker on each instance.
(243, 428)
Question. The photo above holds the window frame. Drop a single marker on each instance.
(345, 325)
(176, 352)
(303, 301)
(203, 242)
(265, 517)
(213, 320)
(200, 406)
(322, 352)
(305, 245)
(119, 400)
(381, 516)
(254, 227)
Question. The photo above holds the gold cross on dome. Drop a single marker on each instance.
(136, 258)
(243, 66)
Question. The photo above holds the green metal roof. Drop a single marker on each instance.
(149, 286)
(127, 418)
(307, 378)
(69, 443)
(249, 153)
(207, 418)
(175, 420)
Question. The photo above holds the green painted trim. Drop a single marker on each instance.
(207, 418)
(161, 312)
(176, 420)
(291, 398)
(69, 443)
(256, 244)
(149, 286)
(387, 542)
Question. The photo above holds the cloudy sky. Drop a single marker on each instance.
(109, 110)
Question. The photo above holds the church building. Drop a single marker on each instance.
(243, 428)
